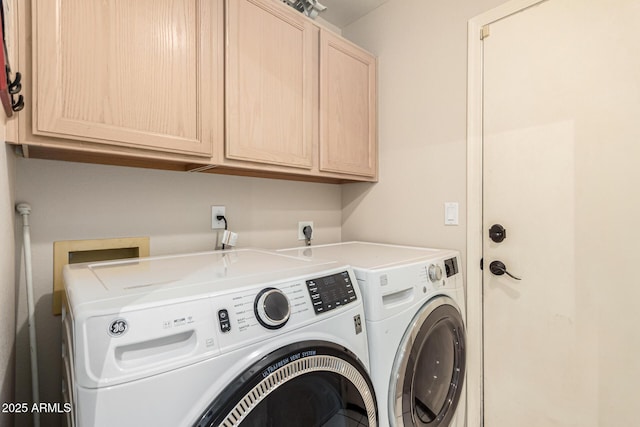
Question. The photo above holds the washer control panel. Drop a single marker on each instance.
(330, 292)
(253, 314)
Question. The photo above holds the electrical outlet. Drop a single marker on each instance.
(301, 225)
(215, 212)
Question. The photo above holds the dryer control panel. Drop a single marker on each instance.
(451, 266)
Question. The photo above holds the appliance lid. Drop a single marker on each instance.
(366, 255)
(180, 270)
(143, 282)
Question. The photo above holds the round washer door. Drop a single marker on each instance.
(307, 384)
(429, 367)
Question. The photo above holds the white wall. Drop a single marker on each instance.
(78, 201)
(422, 71)
(7, 280)
(328, 25)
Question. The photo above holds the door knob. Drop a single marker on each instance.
(498, 268)
(497, 233)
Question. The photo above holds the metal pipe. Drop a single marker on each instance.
(24, 210)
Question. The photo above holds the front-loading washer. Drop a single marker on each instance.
(415, 315)
(227, 338)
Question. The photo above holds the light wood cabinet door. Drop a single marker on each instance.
(138, 73)
(271, 84)
(347, 108)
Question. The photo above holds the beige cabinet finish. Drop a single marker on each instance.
(193, 85)
(271, 84)
(347, 108)
(139, 74)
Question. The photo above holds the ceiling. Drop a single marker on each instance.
(343, 12)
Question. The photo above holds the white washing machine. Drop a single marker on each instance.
(233, 338)
(415, 316)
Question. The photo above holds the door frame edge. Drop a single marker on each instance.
(475, 326)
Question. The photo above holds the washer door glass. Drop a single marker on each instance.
(430, 367)
(301, 385)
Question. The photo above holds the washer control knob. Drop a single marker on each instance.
(435, 272)
(272, 308)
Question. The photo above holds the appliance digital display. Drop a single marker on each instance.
(331, 292)
(451, 266)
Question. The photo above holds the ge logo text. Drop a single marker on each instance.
(118, 327)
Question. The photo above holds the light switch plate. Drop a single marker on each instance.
(451, 213)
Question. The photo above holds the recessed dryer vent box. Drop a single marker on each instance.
(78, 251)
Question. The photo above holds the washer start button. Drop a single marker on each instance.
(223, 319)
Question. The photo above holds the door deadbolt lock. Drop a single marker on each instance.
(497, 233)
(498, 268)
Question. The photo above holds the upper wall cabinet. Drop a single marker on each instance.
(347, 108)
(271, 84)
(247, 87)
(135, 73)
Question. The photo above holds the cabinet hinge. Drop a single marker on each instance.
(484, 32)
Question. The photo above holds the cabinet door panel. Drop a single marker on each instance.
(137, 73)
(347, 108)
(271, 84)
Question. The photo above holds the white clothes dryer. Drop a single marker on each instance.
(415, 316)
(229, 338)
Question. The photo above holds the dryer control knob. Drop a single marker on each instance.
(272, 308)
(435, 272)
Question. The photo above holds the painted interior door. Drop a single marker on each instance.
(561, 173)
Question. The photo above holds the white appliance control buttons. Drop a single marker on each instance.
(272, 308)
(435, 272)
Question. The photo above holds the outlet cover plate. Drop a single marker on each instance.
(301, 225)
(215, 211)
